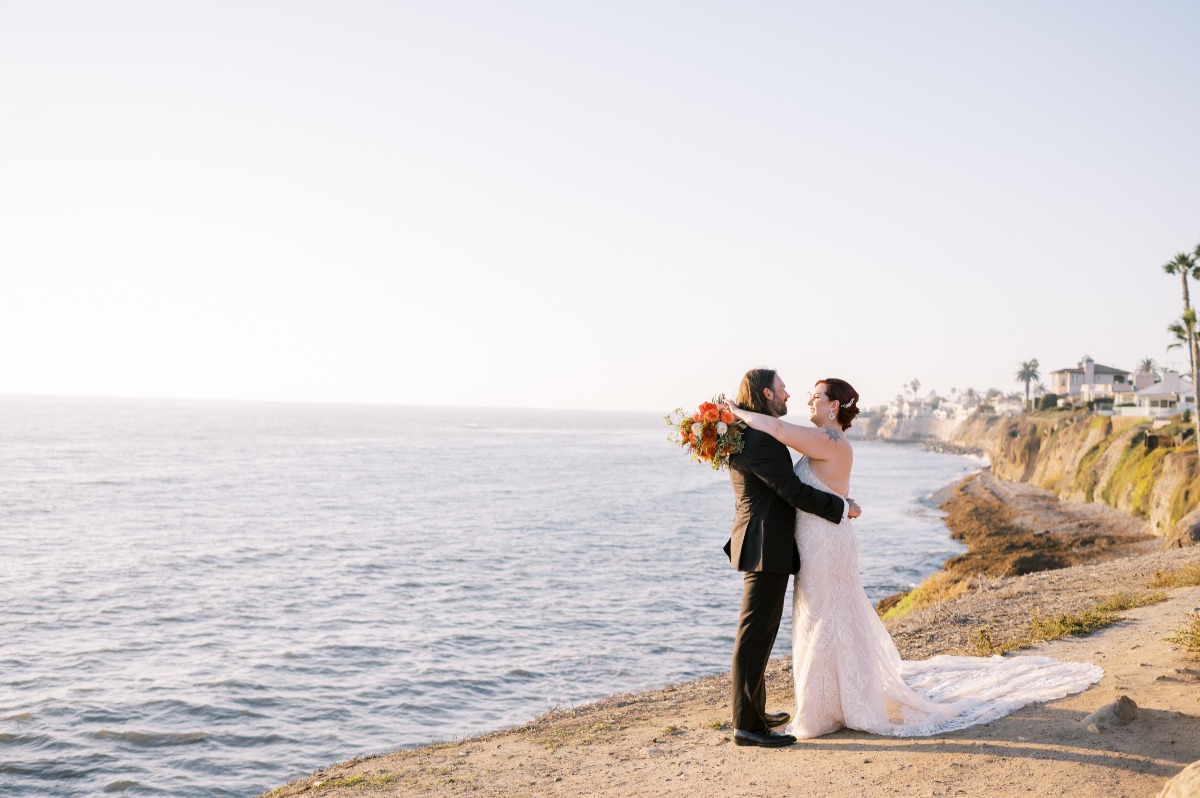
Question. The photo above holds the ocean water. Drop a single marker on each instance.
(214, 598)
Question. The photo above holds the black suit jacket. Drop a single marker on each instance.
(768, 494)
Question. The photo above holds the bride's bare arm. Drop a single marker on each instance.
(819, 444)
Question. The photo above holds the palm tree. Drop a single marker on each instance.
(1027, 374)
(1185, 266)
(915, 386)
(1179, 332)
(1148, 365)
(1040, 389)
(1183, 331)
(971, 395)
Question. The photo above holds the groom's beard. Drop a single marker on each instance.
(778, 408)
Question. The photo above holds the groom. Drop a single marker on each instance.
(763, 546)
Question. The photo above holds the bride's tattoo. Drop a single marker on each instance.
(833, 435)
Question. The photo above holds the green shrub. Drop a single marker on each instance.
(1188, 635)
(1087, 476)
(1048, 401)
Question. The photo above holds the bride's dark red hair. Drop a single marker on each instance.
(844, 394)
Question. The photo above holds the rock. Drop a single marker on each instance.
(1186, 532)
(1185, 783)
(1118, 713)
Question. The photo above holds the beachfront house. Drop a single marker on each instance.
(951, 410)
(1011, 405)
(1127, 394)
(1173, 394)
(915, 406)
(1090, 381)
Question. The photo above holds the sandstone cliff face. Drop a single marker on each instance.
(902, 429)
(1084, 457)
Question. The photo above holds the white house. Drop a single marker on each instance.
(1008, 405)
(1089, 381)
(1172, 395)
(913, 407)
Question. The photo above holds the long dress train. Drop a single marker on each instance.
(849, 674)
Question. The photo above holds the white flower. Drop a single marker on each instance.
(722, 427)
(697, 428)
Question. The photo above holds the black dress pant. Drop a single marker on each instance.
(763, 595)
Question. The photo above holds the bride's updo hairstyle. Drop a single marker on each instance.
(844, 394)
(750, 392)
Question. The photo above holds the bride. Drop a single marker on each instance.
(847, 669)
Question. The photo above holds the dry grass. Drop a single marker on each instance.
(1039, 629)
(556, 735)
(938, 588)
(1188, 635)
(1184, 576)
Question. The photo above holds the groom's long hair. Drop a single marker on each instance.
(750, 392)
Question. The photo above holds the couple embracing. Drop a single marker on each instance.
(795, 520)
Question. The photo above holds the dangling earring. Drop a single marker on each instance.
(832, 417)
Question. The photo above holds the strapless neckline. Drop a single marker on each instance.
(804, 466)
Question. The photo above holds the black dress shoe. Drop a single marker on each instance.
(777, 718)
(763, 737)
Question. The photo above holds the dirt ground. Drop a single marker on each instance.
(676, 741)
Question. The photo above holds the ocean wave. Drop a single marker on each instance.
(144, 739)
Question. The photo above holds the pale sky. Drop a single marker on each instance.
(593, 205)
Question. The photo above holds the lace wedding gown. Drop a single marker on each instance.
(849, 673)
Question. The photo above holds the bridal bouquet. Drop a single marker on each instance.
(710, 434)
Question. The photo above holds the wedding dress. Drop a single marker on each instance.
(849, 674)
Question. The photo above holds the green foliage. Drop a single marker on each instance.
(1188, 635)
(1048, 401)
(1066, 624)
(1182, 500)
(1129, 601)
(1135, 474)
(938, 587)
(553, 737)
(984, 645)
(360, 781)
(1039, 629)
(1087, 476)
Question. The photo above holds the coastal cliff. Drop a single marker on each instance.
(878, 426)
(1124, 462)
(1082, 457)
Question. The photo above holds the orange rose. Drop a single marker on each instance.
(712, 414)
(727, 416)
(697, 416)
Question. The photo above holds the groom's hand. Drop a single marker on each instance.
(855, 511)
